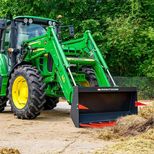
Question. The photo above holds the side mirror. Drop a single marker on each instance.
(71, 30)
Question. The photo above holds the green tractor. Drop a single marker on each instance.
(37, 67)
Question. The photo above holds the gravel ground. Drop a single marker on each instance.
(52, 132)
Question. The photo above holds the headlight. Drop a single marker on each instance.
(54, 23)
(30, 21)
(25, 20)
(50, 23)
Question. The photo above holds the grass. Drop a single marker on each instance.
(127, 126)
(147, 111)
(9, 151)
(132, 135)
(141, 144)
(130, 125)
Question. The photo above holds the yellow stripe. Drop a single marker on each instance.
(82, 59)
(34, 42)
(39, 49)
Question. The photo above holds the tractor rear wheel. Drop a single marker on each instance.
(90, 76)
(2, 104)
(51, 102)
(26, 92)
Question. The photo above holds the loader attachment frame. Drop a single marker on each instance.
(88, 104)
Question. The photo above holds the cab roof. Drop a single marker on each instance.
(35, 17)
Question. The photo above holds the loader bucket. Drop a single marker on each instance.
(95, 105)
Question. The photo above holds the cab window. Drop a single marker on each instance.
(7, 37)
(26, 32)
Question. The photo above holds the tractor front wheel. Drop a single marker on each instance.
(51, 103)
(26, 92)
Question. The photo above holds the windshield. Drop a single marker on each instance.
(26, 32)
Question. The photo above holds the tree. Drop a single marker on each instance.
(123, 30)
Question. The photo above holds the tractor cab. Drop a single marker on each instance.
(14, 32)
(30, 27)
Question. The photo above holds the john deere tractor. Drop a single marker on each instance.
(37, 67)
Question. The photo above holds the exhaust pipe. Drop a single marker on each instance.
(96, 105)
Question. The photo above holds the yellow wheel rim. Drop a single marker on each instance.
(85, 84)
(20, 92)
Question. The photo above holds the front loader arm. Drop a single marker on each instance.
(49, 44)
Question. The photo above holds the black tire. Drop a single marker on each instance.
(36, 95)
(51, 103)
(90, 76)
(2, 104)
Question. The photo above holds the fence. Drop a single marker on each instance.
(145, 86)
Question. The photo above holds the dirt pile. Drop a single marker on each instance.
(135, 134)
(130, 125)
(143, 143)
(9, 151)
(147, 111)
